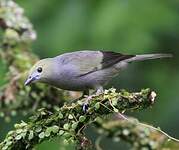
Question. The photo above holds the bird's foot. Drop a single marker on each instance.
(88, 98)
(99, 91)
(85, 107)
(86, 103)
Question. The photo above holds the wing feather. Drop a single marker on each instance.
(89, 61)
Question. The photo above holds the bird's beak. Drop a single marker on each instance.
(30, 80)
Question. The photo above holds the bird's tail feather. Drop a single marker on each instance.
(148, 56)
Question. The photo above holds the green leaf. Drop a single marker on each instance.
(126, 132)
(71, 140)
(66, 135)
(74, 125)
(97, 105)
(114, 102)
(55, 129)
(65, 142)
(18, 137)
(47, 133)
(60, 115)
(17, 126)
(19, 131)
(9, 143)
(70, 116)
(116, 110)
(5, 148)
(61, 132)
(1, 114)
(10, 138)
(41, 135)
(66, 126)
(38, 129)
(31, 135)
(82, 118)
(23, 124)
(23, 134)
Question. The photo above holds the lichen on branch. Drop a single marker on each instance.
(69, 121)
(17, 57)
(139, 135)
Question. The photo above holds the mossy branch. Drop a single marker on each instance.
(70, 120)
(16, 56)
(139, 135)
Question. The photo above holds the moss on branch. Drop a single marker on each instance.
(139, 135)
(70, 120)
(16, 56)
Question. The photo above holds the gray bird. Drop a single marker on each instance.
(83, 70)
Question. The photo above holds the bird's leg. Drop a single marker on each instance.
(99, 90)
(85, 93)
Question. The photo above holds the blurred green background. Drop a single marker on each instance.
(126, 26)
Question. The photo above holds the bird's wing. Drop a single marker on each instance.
(90, 61)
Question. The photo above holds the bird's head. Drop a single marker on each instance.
(41, 72)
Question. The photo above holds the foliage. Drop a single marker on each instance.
(69, 121)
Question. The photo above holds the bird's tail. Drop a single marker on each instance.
(148, 56)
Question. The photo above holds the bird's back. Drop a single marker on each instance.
(90, 61)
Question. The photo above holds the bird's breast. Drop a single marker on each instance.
(67, 78)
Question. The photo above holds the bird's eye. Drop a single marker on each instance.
(39, 70)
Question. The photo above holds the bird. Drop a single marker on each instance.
(83, 70)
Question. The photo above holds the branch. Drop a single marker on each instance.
(69, 121)
(15, 54)
(139, 135)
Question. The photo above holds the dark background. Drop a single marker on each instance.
(126, 26)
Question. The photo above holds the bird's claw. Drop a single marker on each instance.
(86, 104)
(85, 107)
